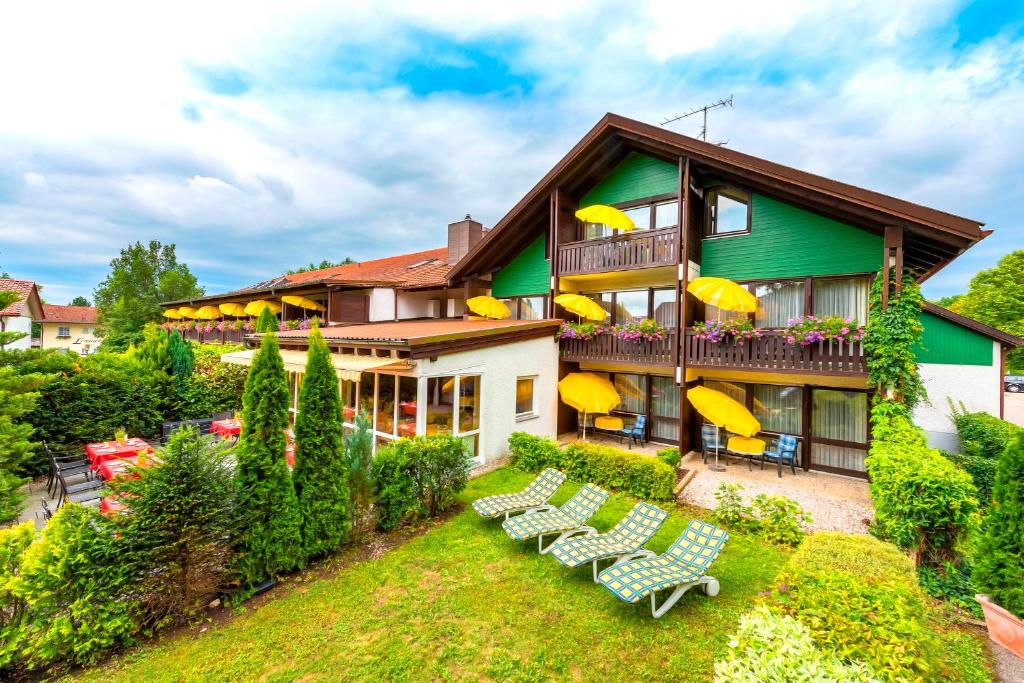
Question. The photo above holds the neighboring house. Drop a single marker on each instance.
(70, 328)
(18, 316)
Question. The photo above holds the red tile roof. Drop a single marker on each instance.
(25, 290)
(421, 331)
(418, 269)
(69, 314)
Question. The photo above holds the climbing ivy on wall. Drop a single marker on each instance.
(889, 341)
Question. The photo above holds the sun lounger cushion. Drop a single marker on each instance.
(628, 536)
(573, 514)
(537, 493)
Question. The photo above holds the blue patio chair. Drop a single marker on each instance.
(637, 431)
(782, 452)
(710, 440)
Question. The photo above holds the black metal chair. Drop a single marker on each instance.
(168, 428)
(71, 466)
(83, 492)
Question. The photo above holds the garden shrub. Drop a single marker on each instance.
(19, 394)
(982, 470)
(394, 479)
(419, 477)
(999, 561)
(781, 520)
(890, 341)
(775, 648)
(442, 470)
(359, 452)
(669, 456)
(14, 541)
(533, 453)
(212, 386)
(981, 434)
(951, 583)
(731, 511)
(640, 476)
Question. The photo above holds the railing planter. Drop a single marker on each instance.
(613, 348)
(772, 352)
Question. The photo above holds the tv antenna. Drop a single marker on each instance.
(703, 135)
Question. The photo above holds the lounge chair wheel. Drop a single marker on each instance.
(711, 588)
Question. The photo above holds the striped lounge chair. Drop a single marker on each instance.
(624, 539)
(534, 496)
(682, 566)
(568, 520)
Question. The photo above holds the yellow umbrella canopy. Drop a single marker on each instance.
(581, 306)
(724, 294)
(488, 307)
(186, 312)
(172, 313)
(588, 392)
(608, 215)
(256, 307)
(302, 302)
(723, 411)
(207, 313)
(235, 309)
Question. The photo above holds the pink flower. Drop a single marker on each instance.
(790, 339)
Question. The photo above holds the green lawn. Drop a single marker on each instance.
(464, 602)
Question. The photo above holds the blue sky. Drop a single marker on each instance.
(260, 136)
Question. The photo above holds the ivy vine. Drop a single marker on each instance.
(889, 341)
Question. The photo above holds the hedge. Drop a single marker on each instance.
(982, 470)
(418, 477)
(533, 453)
(981, 434)
(999, 562)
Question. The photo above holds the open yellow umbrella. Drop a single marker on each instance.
(172, 313)
(256, 307)
(488, 307)
(724, 294)
(186, 312)
(723, 411)
(608, 215)
(581, 306)
(235, 309)
(207, 313)
(302, 302)
(588, 392)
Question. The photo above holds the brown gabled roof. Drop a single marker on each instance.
(28, 295)
(1004, 338)
(69, 314)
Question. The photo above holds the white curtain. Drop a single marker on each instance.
(633, 392)
(840, 415)
(664, 408)
(779, 409)
(733, 390)
(846, 298)
(778, 302)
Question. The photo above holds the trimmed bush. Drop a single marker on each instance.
(418, 477)
(781, 520)
(533, 453)
(982, 470)
(213, 386)
(669, 456)
(981, 435)
(394, 476)
(999, 562)
(640, 476)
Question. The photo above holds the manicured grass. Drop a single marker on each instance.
(464, 602)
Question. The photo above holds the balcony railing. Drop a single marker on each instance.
(608, 347)
(638, 249)
(215, 337)
(771, 353)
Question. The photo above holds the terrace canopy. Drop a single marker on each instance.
(347, 366)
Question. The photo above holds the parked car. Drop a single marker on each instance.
(1014, 383)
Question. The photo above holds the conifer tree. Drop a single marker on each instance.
(269, 527)
(321, 467)
(267, 322)
(999, 563)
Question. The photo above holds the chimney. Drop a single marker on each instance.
(462, 235)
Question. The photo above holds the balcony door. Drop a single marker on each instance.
(839, 431)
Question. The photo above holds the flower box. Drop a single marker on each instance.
(1003, 627)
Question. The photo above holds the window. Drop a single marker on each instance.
(664, 305)
(347, 388)
(469, 412)
(86, 330)
(63, 332)
(630, 307)
(366, 385)
(779, 409)
(294, 386)
(839, 429)
(530, 308)
(440, 405)
(664, 409)
(666, 215)
(734, 390)
(385, 413)
(641, 216)
(846, 298)
(524, 397)
(778, 302)
(632, 390)
(728, 211)
(407, 390)
(663, 214)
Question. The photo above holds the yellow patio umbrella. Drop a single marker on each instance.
(588, 392)
(302, 302)
(256, 307)
(235, 309)
(186, 312)
(723, 411)
(724, 294)
(581, 306)
(172, 313)
(608, 215)
(488, 307)
(207, 313)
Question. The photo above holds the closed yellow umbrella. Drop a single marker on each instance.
(581, 306)
(588, 392)
(607, 215)
(172, 313)
(256, 307)
(302, 302)
(488, 307)
(235, 309)
(724, 294)
(207, 313)
(187, 312)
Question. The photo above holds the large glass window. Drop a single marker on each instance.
(530, 308)
(840, 415)
(846, 298)
(666, 215)
(385, 404)
(633, 392)
(630, 307)
(407, 389)
(733, 390)
(593, 231)
(524, 396)
(664, 409)
(366, 384)
(665, 307)
(641, 215)
(347, 389)
(779, 409)
(469, 403)
(728, 211)
(440, 405)
(778, 302)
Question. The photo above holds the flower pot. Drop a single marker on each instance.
(1003, 627)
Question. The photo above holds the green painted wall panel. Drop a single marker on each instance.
(944, 342)
(528, 273)
(636, 177)
(785, 241)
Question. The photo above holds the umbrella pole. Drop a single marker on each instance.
(718, 442)
(584, 425)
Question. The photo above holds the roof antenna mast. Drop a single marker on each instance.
(703, 135)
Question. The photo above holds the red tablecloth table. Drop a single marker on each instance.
(226, 428)
(110, 505)
(110, 469)
(111, 450)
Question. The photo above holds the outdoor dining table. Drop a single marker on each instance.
(226, 428)
(102, 451)
(112, 468)
(746, 447)
(110, 505)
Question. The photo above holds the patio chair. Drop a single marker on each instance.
(624, 539)
(535, 496)
(683, 566)
(782, 452)
(72, 466)
(710, 440)
(78, 493)
(568, 520)
(636, 432)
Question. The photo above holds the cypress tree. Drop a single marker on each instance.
(999, 561)
(321, 467)
(268, 528)
(267, 322)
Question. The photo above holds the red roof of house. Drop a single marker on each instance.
(69, 314)
(421, 331)
(418, 269)
(25, 288)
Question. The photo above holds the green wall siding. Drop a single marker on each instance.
(636, 177)
(528, 273)
(944, 342)
(785, 241)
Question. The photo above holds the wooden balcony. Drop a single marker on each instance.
(638, 249)
(609, 348)
(215, 337)
(771, 353)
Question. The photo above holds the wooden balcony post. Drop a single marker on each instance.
(892, 258)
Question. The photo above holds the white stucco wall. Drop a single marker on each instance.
(382, 304)
(417, 304)
(19, 324)
(977, 386)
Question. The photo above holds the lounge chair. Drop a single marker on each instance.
(683, 566)
(625, 538)
(568, 520)
(534, 496)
